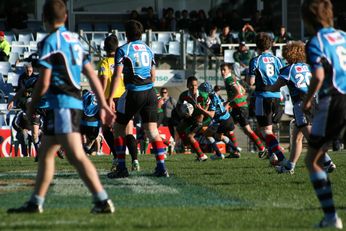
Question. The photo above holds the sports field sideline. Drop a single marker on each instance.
(232, 194)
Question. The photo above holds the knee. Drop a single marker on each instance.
(152, 133)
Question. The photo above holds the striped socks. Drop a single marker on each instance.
(160, 151)
(120, 148)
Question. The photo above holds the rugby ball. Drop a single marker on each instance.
(186, 109)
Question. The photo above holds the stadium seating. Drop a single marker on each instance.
(158, 47)
(174, 48)
(228, 56)
(12, 78)
(40, 36)
(5, 67)
(10, 37)
(14, 56)
(164, 37)
(26, 38)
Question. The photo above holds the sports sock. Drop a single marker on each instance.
(120, 149)
(233, 138)
(274, 146)
(36, 199)
(229, 145)
(253, 136)
(197, 148)
(132, 146)
(214, 146)
(326, 159)
(323, 191)
(159, 151)
(108, 135)
(290, 165)
(100, 196)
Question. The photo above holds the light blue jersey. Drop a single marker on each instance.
(265, 68)
(137, 59)
(216, 104)
(63, 54)
(327, 49)
(298, 77)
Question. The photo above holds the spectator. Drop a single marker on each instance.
(4, 47)
(134, 15)
(219, 19)
(184, 22)
(150, 21)
(213, 41)
(247, 34)
(29, 72)
(283, 36)
(236, 21)
(169, 103)
(226, 36)
(242, 59)
(168, 22)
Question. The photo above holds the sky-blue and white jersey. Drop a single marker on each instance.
(137, 59)
(63, 54)
(216, 104)
(265, 68)
(327, 49)
(298, 77)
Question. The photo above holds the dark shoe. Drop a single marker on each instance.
(118, 173)
(105, 206)
(28, 207)
(161, 173)
(233, 155)
(263, 154)
(61, 154)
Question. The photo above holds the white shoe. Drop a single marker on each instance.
(217, 157)
(203, 157)
(273, 160)
(332, 223)
(283, 169)
(329, 168)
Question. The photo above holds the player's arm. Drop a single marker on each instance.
(16, 96)
(315, 84)
(205, 111)
(106, 114)
(277, 85)
(153, 74)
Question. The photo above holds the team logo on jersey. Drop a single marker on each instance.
(69, 37)
(139, 47)
(301, 68)
(268, 59)
(335, 38)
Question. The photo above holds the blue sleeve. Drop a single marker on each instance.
(119, 56)
(212, 105)
(314, 53)
(285, 73)
(252, 67)
(45, 55)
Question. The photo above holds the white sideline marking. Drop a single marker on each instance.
(37, 222)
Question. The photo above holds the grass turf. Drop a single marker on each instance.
(233, 194)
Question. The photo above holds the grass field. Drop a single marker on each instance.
(233, 194)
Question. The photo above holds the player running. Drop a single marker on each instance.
(296, 75)
(326, 52)
(221, 124)
(240, 112)
(62, 60)
(135, 61)
(264, 70)
(190, 125)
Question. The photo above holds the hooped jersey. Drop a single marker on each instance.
(327, 49)
(137, 59)
(236, 101)
(63, 54)
(201, 98)
(297, 77)
(265, 68)
(216, 104)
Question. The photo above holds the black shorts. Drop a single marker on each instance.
(266, 109)
(61, 121)
(241, 116)
(226, 126)
(143, 102)
(38, 116)
(90, 132)
(329, 120)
